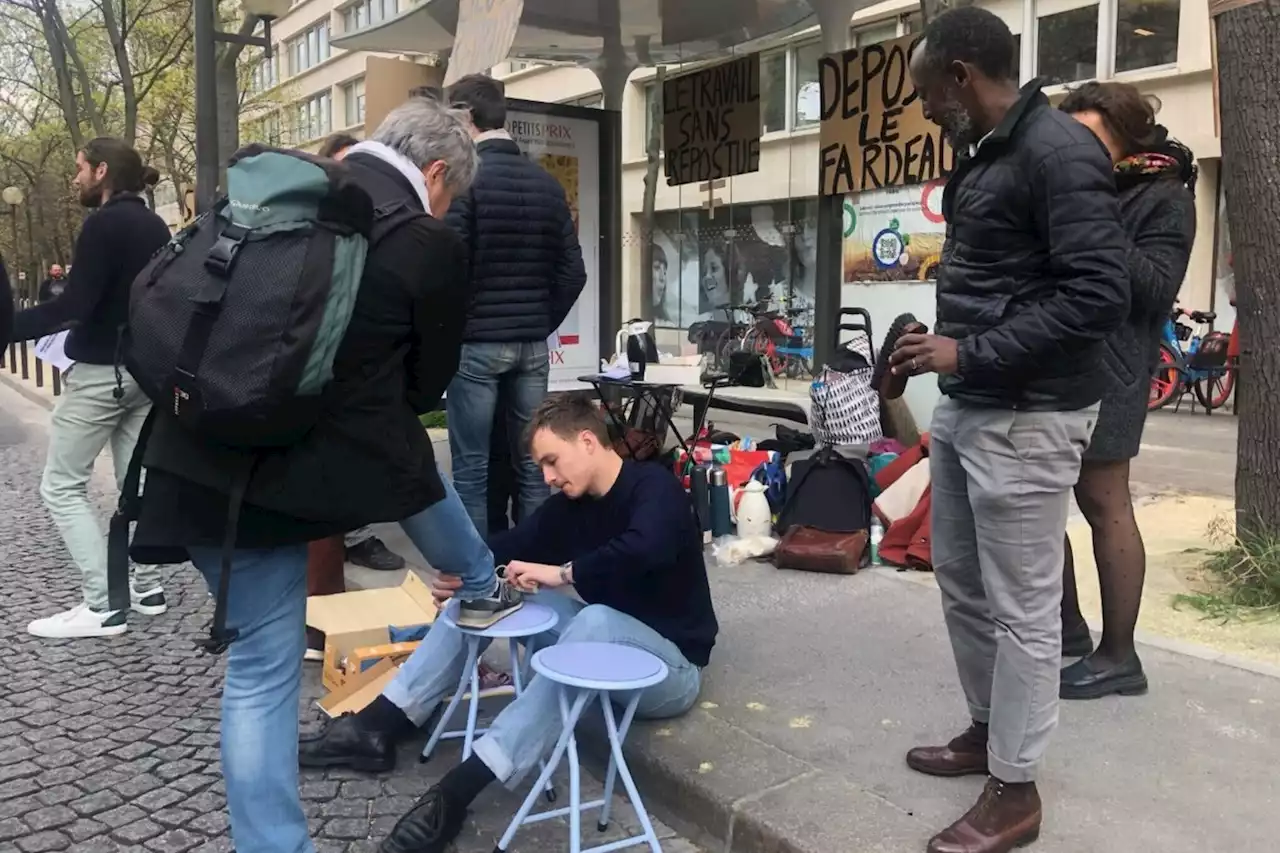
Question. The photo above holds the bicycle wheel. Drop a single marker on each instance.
(1214, 390)
(1165, 380)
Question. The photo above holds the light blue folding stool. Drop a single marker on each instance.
(585, 671)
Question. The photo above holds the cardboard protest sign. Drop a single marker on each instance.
(711, 122)
(486, 31)
(874, 133)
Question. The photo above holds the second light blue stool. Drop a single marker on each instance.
(528, 621)
(585, 671)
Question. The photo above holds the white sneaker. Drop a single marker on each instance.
(79, 621)
(148, 602)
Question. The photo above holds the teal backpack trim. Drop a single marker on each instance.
(349, 255)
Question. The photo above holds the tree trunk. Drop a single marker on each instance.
(67, 101)
(1249, 93)
(652, 174)
(117, 36)
(229, 98)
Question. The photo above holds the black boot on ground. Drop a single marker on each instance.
(346, 742)
(373, 553)
(1092, 678)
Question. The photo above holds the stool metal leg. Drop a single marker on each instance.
(557, 754)
(615, 746)
(473, 710)
(518, 683)
(611, 775)
(575, 782)
(473, 655)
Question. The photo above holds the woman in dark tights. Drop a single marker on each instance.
(1155, 177)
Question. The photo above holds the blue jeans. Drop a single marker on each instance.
(527, 729)
(268, 605)
(452, 544)
(519, 371)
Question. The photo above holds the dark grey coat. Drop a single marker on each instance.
(1159, 215)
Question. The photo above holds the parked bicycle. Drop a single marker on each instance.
(1195, 362)
(771, 333)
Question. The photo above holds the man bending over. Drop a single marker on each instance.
(619, 534)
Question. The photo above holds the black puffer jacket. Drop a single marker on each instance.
(1034, 271)
(526, 263)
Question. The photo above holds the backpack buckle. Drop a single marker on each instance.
(222, 257)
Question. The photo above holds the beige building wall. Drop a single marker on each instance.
(789, 158)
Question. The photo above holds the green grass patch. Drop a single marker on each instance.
(1241, 579)
(434, 420)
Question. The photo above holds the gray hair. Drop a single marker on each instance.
(424, 131)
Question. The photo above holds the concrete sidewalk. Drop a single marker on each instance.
(819, 685)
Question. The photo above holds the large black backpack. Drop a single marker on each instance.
(827, 492)
(234, 325)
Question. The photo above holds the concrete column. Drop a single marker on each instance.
(835, 17)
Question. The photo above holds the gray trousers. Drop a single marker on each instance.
(1002, 483)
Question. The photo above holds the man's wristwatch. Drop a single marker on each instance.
(566, 573)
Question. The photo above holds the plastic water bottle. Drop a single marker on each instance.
(877, 533)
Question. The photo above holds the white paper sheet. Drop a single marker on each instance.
(51, 350)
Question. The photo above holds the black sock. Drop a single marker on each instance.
(383, 715)
(464, 783)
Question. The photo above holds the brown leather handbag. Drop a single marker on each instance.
(812, 550)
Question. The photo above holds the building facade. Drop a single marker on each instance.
(756, 239)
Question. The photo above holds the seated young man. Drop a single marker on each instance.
(620, 534)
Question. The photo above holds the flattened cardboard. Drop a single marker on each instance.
(359, 690)
(360, 620)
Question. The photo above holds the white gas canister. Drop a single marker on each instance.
(755, 518)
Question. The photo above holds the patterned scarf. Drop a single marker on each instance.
(1174, 162)
(1149, 163)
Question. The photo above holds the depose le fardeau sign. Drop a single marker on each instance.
(711, 122)
(874, 133)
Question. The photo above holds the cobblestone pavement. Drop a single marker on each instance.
(112, 745)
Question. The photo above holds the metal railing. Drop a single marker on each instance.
(20, 358)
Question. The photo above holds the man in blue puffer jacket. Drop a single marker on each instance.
(526, 273)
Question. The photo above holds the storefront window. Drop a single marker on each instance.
(808, 96)
(773, 92)
(756, 253)
(1068, 44)
(1146, 33)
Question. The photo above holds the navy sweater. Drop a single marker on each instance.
(637, 549)
(115, 243)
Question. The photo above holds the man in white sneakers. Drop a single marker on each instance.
(101, 404)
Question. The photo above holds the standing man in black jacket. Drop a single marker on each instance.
(1033, 277)
(367, 459)
(526, 273)
(101, 403)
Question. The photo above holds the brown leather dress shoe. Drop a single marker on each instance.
(965, 755)
(1006, 816)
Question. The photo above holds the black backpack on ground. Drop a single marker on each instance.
(827, 492)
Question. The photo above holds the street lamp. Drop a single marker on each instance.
(207, 38)
(14, 196)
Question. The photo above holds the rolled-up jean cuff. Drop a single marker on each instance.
(417, 712)
(1012, 773)
(498, 761)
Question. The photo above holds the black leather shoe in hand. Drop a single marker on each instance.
(1092, 678)
(428, 827)
(345, 743)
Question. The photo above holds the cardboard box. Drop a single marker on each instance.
(355, 625)
(361, 688)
